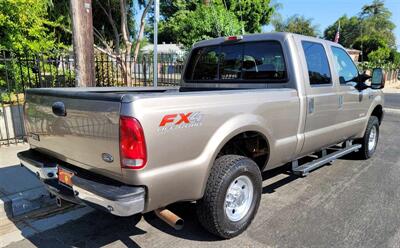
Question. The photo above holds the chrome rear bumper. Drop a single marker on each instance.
(117, 199)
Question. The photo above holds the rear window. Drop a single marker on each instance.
(317, 63)
(253, 61)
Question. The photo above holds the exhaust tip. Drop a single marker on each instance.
(179, 224)
(170, 218)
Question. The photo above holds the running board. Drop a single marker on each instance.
(304, 170)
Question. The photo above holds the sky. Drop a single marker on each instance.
(326, 12)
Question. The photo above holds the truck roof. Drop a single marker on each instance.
(281, 36)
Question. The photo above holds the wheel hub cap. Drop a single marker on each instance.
(239, 197)
(372, 139)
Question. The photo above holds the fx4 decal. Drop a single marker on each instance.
(180, 120)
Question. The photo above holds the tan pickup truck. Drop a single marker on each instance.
(247, 104)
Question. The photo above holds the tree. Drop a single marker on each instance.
(251, 15)
(24, 26)
(370, 31)
(206, 21)
(121, 30)
(350, 30)
(296, 24)
(376, 20)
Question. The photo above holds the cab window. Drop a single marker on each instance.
(204, 64)
(344, 66)
(245, 62)
(317, 63)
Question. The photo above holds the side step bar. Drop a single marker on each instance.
(304, 170)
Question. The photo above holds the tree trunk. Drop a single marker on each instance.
(141, 30)
(81, 12)
(127, 41)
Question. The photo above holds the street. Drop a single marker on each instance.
(351, 203)
(392, 100)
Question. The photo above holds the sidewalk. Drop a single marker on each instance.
(391, 90)
(26, 208)
(20, 191)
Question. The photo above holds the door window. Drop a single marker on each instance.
(344, 65)
(317, 63)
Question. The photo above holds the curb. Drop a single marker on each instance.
(392, 110)
(24, 202)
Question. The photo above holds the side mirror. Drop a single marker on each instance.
(363, 77)
(378, 79)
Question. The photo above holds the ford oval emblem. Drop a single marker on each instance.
(107, 157)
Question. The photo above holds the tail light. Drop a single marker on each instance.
(132, 145)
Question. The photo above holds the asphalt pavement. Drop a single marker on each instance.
(351, 203)
(392, 100)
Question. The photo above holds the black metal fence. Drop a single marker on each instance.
(47, 70)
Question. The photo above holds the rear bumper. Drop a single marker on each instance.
(115, 198)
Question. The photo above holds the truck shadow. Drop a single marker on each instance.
(96, 229)
(285, 170)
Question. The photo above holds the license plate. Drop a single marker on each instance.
(64, 176)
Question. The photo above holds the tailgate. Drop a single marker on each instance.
(87, 135)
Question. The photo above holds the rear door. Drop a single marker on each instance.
(322, 102)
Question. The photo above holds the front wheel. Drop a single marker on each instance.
(231, 197)
(370, 140)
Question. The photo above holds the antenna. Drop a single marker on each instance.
(241, 15)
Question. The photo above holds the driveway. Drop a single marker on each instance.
(351, 203)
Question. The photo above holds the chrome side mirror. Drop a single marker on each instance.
(378, 79)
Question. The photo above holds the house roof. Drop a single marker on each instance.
(163, 48)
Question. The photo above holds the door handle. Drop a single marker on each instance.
(340, 101)
(59, 109)
(311, 107)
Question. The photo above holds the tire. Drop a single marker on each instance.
(367, 149)
(230, 172)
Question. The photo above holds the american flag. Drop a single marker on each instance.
(337, 36)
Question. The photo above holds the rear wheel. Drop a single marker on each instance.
(231, 197)
(370, 140)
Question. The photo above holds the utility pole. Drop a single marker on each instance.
(82, 32)
(155, 59)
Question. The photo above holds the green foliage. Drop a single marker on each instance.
(253, 13)
(395, 58)
(296, 24)
(371, 32)
(216, 18)
(350, 29)
(24, 25)
(103, 10)
(188, 27)
(60, 22)
(380, 55)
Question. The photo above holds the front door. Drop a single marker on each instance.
(353, 104)
(322, 100)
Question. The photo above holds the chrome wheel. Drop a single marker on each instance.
(373, 135)
(239, 197)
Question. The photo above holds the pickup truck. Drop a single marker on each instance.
(247, 104)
